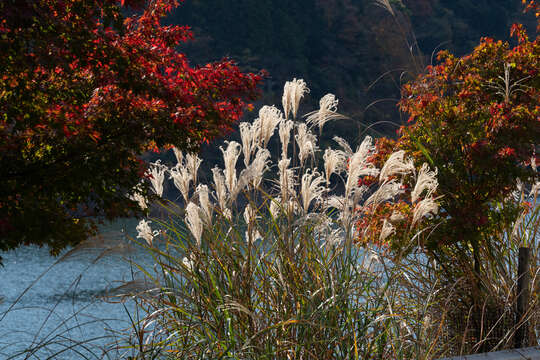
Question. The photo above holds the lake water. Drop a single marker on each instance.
(55, 306)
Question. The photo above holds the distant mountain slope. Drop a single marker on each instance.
(341, 46)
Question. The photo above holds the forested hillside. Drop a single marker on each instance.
(342, 46)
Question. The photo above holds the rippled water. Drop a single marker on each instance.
(54, 307)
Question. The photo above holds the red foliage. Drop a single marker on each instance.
(84, 89)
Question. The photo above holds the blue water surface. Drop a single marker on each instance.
(64, 307)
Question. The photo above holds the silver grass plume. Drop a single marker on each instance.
(138, 197)
(396, 165)
(275, 207)
(250, 214)
(220, 187)
(259, 166)
(182, 178)
(178, 155)
(269, 117)
(246, 177)
(334, 161)
(307, 143)
(385, 4)
(192, 164)
(359, 165)
(397, 217)
(285, 128)
(293, 92)
(426, 180)
(145, 231)
(230, 157)
(425, 208)
(157, 172)
(387, 191)
(311, 188)
(344, 145)
(193, 222)
(204, 201)
(248, 134)
(327, 111)
(387, 230)
(286, 179)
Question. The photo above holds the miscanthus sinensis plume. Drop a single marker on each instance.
(182, 179)
(334, 162)
(137, 196)
(425, 182)
(220, 188)
(259, 166)
(248, 134)
(327, 111)
(194, 223)
(230, 157)
(192, 164)
(396, 164)
(425, 208)
(269, 117)
(204, 202)
(145, 232)
(359, 164)
(285, 128)
(312, 188)
(307, 143)
(301, 193)
(287, 179)
(293, 92)
(156, 173)
(179, 155)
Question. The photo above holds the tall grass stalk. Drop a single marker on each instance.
(273, 270)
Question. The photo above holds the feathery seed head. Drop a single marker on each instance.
(285, 128)
(230, 157)
(138, 197)
(312, 188)
(293, 92)
(145, 231)
(192, 164)
(193, 222)
(344, 145)
(327, 111)
(259, 166)
(387, 191)
(250, 214)
(220, 187)
(157, 173)
(286, 178)
(182, 178)
(427, 180)
(396, 165)
(425, 208)
(387, 230)
(307, 143)
(269, 117)
(204, 201)
(179, 155)
(334, 161)
(359, 165)
(248, 134)
(275, 207)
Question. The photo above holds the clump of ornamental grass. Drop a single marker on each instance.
(263, 263)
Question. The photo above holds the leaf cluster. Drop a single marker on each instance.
(86, 86)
